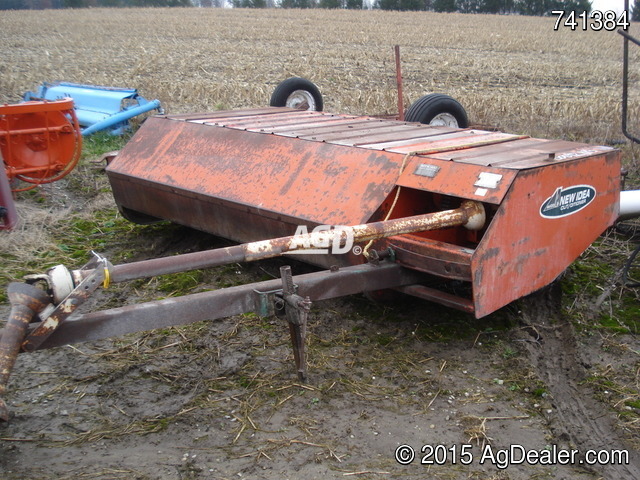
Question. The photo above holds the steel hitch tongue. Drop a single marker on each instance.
(27, 301)
(296, 310)
(70, 289)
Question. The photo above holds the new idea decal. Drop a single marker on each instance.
(567, 201)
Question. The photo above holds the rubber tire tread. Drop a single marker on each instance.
(427, 107)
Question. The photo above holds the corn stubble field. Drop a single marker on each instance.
(516, 73)
(219, 400)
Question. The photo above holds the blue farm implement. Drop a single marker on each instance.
(98, 108)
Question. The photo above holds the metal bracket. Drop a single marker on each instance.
(271, 302)
(296, 310)
(375, 256)
(53, 317)
(266, 301)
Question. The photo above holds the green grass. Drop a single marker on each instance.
(96, 145)
(587, 276)
(180, 283)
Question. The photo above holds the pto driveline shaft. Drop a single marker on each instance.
(470, 214)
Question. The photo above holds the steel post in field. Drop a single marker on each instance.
(8, 213)
(399, 83)
(296, 310)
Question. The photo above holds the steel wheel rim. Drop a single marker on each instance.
(301, 100)
(444, 120)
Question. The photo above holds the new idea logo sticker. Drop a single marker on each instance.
(567, 201)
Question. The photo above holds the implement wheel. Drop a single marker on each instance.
(298, 93)
(438, 110)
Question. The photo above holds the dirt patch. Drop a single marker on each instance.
(220, 400)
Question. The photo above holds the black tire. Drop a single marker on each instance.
(299, 93)
(437, 109)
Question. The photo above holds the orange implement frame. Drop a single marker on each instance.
(259, 174)
(40, 141)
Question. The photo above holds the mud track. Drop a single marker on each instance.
(581, 420)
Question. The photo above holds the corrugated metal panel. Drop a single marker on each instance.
(476, 147)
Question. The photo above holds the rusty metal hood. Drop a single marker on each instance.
(277, 176)
(289, 164)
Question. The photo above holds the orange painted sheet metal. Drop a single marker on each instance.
(499, 153)
(257, 174)
(285, 119)
(462, 146)
(318, 126)
(245, 119)
(358, 139)
(279, 176)
(548, 218)
(40, 141)
(431, 256)
(360, 134)
(327, 127)
(406, 134)
(473, 182)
